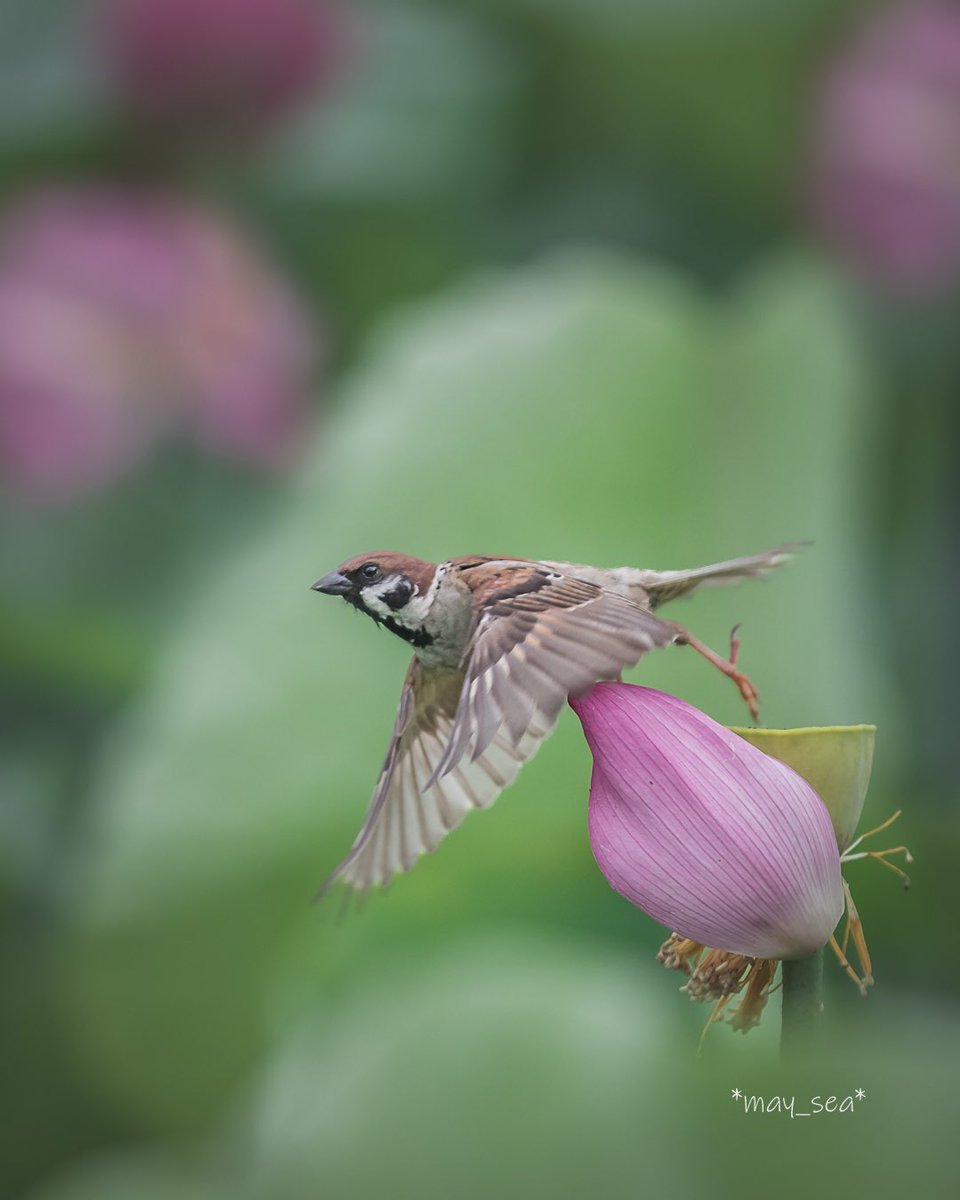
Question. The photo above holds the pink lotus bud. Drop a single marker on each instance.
(886, 186)
(221, 65)
(127, 317)
(709, 836)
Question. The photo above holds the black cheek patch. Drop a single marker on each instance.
(399, 597)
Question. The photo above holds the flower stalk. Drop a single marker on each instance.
(802, 1000)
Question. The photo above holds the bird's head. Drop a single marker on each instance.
(394, 589)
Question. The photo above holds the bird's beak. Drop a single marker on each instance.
(333, 584)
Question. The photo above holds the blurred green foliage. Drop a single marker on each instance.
(573, 313)
(213, 789)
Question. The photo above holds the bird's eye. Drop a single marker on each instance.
(370, 571)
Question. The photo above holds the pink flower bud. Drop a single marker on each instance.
(127, 317)
(886, 153)
(709, 836)
(220, 65)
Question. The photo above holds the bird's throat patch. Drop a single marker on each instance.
(416, 637)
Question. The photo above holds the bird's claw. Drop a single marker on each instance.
(728, 666)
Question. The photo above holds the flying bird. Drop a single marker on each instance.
(498, 645)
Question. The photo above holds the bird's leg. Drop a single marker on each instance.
(727, 665)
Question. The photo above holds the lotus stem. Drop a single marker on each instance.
(802, 1001)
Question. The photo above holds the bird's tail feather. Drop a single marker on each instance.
(662, 586)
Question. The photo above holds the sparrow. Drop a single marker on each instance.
(498, 645)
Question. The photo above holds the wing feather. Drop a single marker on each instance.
(411, 812)
(555, 636)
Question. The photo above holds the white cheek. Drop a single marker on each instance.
(376, 605)
(373, 598)
(414, 612)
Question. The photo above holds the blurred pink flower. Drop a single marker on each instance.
(708, 835)
(886, 185)
(126, 317)
(221, 65)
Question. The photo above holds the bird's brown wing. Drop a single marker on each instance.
(408, 815)
(540, 636)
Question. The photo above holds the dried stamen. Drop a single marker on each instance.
(871, 832)
(717, 974)
(677, 952)
(881, 855)
(854, 928)
(747, 1013)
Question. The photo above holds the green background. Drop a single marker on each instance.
(574, 311)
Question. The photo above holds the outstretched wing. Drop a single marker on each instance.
(540, 636)
(408, 814)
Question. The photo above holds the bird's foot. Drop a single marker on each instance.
(727, 665)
